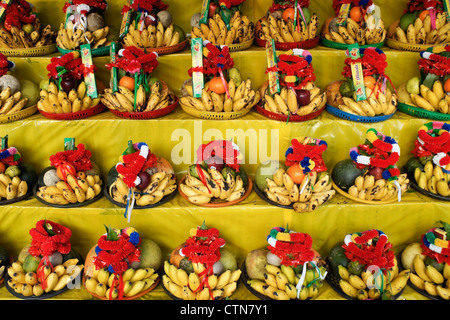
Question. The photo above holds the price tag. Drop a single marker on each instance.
(126, 20)
(113, 55)
(344, 11)
(205, 12)
(274, 81)
(357, 72)
(197, 61)
(69, 144)
(86, 58)
(68, 13)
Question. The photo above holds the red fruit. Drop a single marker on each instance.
(215, 162)
(377, 172)
(212, 9)
(303, 97)
(145, 180)
(150, 20)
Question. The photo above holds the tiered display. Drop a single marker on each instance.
(47, 266)
(122, 266)
(429, 262)
(290, 24)
(289, 269)
(201, 268)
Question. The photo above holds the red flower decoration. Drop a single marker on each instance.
(134, 60)
(44, 244)
(79, 158)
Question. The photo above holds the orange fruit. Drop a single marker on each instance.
(447, 85)
(258, 26)
(2, 167)
(127, 82)
(288, 13)
(355, 14)
(369, 82)
(216, 85)
(423, 14)
(296, 173)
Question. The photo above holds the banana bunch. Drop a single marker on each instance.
(71, 39)
(241, 97)
(429, 279)
(17, 38)
(74, 190)
(280, 283)
(215, 30)
(314, 190)
(218, 187)
(371, 32)
(434, 99)
(194, 286)
(376, 104)
(285, 102)
(11, 103)
(286, 31)
(29, 284)
(373, 286)
(433, 179)
(421, 32)
(58, 101)
(123, 100)
(152, 36)
(106, 284)
(161, 185)
(11, 188)
(367, 188)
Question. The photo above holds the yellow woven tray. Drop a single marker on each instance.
(211, 115)
(29, 52)
(18, 115)
(394, 44)
(239, 46)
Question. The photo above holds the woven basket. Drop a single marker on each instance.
(422, 113)
(165, 50)
(211, 115)
(148, 114)
(285, 118)
(343, 46)
(29, 52)
(352, 117)
(99, 52)
(74, 115)
(22, 114)
(285, 46)
(239, 46)
(394, 44)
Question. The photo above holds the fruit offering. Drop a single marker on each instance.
(364, 267)
(429, 262)
(84, 24)
(47, 265)
(429, 168)
(141, 176)
(223, 23)
(136, 90)
(304, 181)
(430, 91)
(72, 178)
(357, 23)
(201, 268)
(21, 27)
(288, 269)
(297, 94)
(16, 177)
(287, 23)
(217, 177)
(370, 97)
(150, 26)
(122, 266)
(5, 261)
(371, 174)
(224, 89)
(423, 23)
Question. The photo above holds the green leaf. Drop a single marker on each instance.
(446, 226)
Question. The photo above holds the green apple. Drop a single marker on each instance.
(43, 85)
(413, 85)
(28, 28)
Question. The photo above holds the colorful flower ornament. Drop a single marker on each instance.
(79, 159)
(144, 8)
(79, 9)
(294, 249)
(18, 12)
(5, 65)
(435, 245)
(435, 63)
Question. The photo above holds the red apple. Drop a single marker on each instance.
(215, 162)
(212, 9)
(145, 180)
(303, 97)
(377, 172)
(68, 82)
(150, 20)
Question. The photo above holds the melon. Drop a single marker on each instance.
(344, 174)
(151, 255)
(89, 262)
(266, 170)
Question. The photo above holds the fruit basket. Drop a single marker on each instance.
(123, 265)
(71, 90)
(371, 175)
(355, 22)
(429, 169)
(301, 183)
(201, 268)
(21, 32)
(365, 96)
(84, 24)
(149, 26)
(134, 93)
(429, 262)
(72, 179)
(17, 178)
(47, 266)
(5, 262)
(289, 269)
(140, 179)
(422, 25)
(426, 96)
(223, 23)
(290, 24)
(290, 93)
(217, 179)
(216, 90)
(364, 267)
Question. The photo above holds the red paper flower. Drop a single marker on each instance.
(79, 158)
(44, 244)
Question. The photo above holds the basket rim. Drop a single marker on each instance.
(22, 114)
(411, 47)
(351, 117)
(310, 43)
(432, 115)
(160, 112)
(202, 114)
(176, 47)
(292, 118)
(343, 46)
(67, 116)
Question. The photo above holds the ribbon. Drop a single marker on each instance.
(302, 277)
(79, 15)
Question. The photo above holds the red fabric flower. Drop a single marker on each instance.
(79, 158)
(18, 12)
(222, 149)
(420, 5)
(217, 59)
(44, 244)
(100, 4)
(134, 60)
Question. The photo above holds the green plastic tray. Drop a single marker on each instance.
(343, 46)
(422, 113)
(103, 51)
